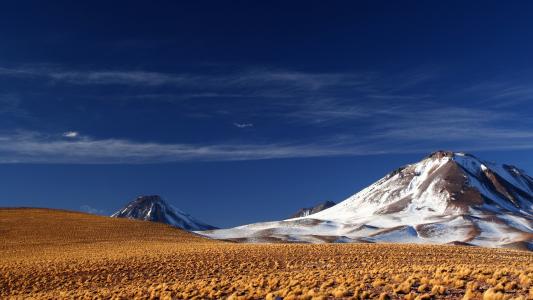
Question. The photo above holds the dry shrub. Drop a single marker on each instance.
(424, 297)
(378, 282)
(404, 287)
(459, 284)
(438, 290)
(525, 280)
(492, 294)
(340, 292)
(470, 294)
(422, 288)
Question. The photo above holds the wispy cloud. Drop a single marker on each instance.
(252, 78)
(501, 93)
(71, 134)
(10, 104)
(243, 125)
(32, 147)
(306, 96)
(98, 77)
(373, 112)
(429, 121)
(119, 77)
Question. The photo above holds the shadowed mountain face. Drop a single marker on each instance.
(447, 197)
(306, 211)
(153, 208)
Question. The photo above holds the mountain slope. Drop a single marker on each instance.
(153, 208)
(445, 198)
(306, 211)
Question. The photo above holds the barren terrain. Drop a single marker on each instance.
(59, 254)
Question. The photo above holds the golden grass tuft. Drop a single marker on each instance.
(493, 294)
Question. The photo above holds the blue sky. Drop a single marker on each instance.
(244, 111)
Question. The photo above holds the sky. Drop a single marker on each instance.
(245, 111)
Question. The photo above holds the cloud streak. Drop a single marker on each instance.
(252, 78)
(322, 114)
(71, 134)
(243, 125)
(99, 77)
(32, 147)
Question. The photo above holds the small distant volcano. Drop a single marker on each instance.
(153, 208)
(306, 211)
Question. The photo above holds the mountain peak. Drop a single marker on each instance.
(441, 154)
(148, 199)
(450, 154)
(153, 208)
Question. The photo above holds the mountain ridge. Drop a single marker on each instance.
(446, 198)
(303, 212)
(153, 208)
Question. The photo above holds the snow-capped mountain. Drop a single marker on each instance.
(306, 211)
(447, 198)
(153, 208)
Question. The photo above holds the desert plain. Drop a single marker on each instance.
(54, 254)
